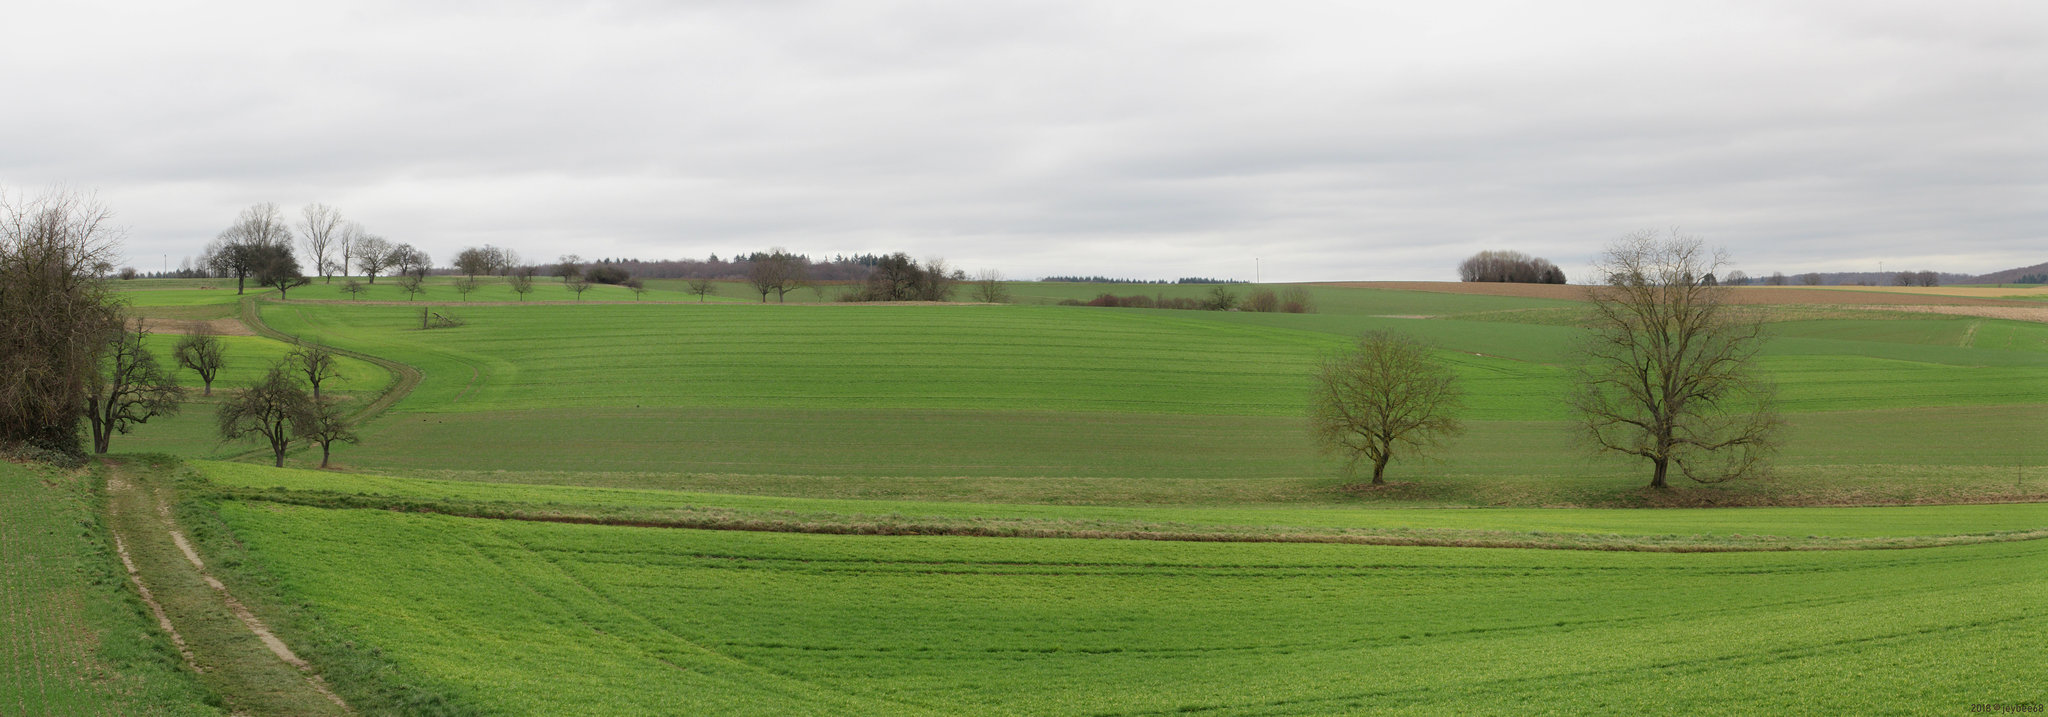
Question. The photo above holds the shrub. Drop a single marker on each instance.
(1263, 301)
(607, 274)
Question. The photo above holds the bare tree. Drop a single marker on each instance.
(203, 352)
(413, 284)
(465, 285)
(265, 409)
(1777, 278)
(252, 240)
(408, 259)
(989, 287)
(353, 288)
(482, 261)
(1387, 397)
(54, 311)
(579, 285)
(1668, 370)
(345, 243)
(315, 363)
(639, 287)
(778, 271)
(940, 279)
(521, 283)
(373, 253)
(1737, 278)
(1811, 278)
(703, 288)
(324, 423)
(1927, 278)
(320, 228)
(275, 267)
(129, 388)
(569, 267)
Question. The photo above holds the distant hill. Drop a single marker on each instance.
(2010, 275)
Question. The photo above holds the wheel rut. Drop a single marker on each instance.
(234, 652)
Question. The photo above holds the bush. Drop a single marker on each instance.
(1296, 301)
(1262, 301)
(607, 274)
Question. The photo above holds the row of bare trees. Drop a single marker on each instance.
(1666, 374)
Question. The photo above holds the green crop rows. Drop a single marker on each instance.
(606, 620)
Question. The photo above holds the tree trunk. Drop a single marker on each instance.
(1379, 472)
(324, 447)
(209, 388)
(1657, 481)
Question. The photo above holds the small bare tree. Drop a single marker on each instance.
(315, 363)
(569, 267)
(265, 409)
(579, 285)
(521, 283)
(637, 286)
(1668, 369)
(1385, 398)
(413, 283)
(129, 388)
(703, 288)
(353, 288)
(324, 423)
(989, 287)
(202, 352)
(465, 285)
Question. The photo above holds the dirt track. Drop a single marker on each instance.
(1740, 294)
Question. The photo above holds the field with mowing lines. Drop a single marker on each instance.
(620, 507)
(72, 640)
(614, 620)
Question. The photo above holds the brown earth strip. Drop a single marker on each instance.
(1737, 294)
(221, 327)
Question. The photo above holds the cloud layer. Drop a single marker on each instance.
(1326, 141)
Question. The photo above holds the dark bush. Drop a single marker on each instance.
(1296, 301)
(1509, 266)
(606, 274)
(1262, 301)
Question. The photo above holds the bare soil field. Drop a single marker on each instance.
(1861, 295)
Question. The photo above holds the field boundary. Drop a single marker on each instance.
(693, 518)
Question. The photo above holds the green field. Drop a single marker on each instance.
(657, 506)
(612, 620)
(72, 640)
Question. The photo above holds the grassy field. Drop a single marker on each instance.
(619, 620)
(1151, 405)
(73, 641)
(522, 533)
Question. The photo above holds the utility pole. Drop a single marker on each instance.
(1257, 278)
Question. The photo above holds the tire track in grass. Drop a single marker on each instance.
(790, 686)
(259, 676)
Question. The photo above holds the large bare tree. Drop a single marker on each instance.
(129, 388)
(345, 244)
(1668, 370)
(777, 271)
(373, 253)
(1385, 398)
(265, 409)
(245, 246)
(54, 312)
(320, 229)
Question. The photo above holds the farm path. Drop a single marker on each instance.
(236, 656)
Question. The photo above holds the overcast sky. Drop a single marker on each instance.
(1323, 140)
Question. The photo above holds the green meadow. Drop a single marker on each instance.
(656, 505)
